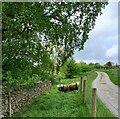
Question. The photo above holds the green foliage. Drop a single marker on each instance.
(11, 82)
(108, 65)
(70, 68)
(82, 69)
(36, 35)
(97, 65)
(92, 65)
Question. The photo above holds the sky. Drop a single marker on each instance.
(102, 45)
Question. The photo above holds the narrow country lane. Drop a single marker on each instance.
(107, 92)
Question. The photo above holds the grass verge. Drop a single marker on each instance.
(114, 75)
(101, 109)
(60, 104)
(56, 104)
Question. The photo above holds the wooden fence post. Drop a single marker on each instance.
(84, 92)
(94, 102)
(81, 80)
(9, 103)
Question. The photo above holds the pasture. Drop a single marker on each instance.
(60, 104)
(56, 104)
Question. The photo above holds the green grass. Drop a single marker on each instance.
(56, 104)
(113, 75)
(60, 104)
(101, 110)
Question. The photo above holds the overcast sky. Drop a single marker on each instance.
(102, 45)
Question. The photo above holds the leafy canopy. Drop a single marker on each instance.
(37, 36)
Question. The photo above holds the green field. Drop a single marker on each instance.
(56, 104)
(60, 104)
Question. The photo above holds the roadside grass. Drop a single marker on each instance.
(114, 75)
(101, 109)
(56, 104)
(60, 104)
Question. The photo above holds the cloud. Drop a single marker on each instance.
(103, 39)
(108, 21)
(112, 52)
(114, 0)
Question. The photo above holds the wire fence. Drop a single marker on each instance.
(96, 107)
(102, 110)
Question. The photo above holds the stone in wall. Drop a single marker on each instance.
(20, 96)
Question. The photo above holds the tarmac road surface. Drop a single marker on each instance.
(108, 92)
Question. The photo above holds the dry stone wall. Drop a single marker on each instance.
(21, 96)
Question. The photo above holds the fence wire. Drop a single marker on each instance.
(101, 109)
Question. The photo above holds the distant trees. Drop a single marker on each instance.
(71, 69)
(117, 66)
(82, 68)
(97, 65)
(108, 65)
(92, 65)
